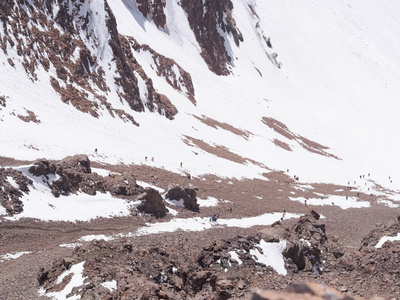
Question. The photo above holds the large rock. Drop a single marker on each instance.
(122, 185)
(152, 203)
(74, 174)
(42, 167)
(307, 244)
(188, 195)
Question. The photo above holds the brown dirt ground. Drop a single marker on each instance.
(18, 277)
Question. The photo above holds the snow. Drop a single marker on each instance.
(145, 185)
(110, 285)
(235, 256)
(12, 182)
(101, 172)
(209, 202)
(271, 255)
(387, 203)
(3, 211)
(199, 224)
(339, 77)
(71, 245)
(76, 281)
(334, 200)
(172, 211)
(15, 255)
(176, 202)
(387, 238)
(41, 204)
(92, 237)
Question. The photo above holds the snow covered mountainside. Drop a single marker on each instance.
(198, 149)
(235, 88)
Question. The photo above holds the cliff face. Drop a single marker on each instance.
(208, 19)
(87, 60)
(78, 45)
(51, 34)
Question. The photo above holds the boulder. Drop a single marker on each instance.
(152, 203)
(188, 195)
(122, 185)
(42, 167)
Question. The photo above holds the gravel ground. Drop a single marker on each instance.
(18, 277)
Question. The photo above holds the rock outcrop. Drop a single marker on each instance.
(307, 244)
(188, 195)
(45, 40)
(73, 174)
(13, 185)
(205, 19)
(152, 203)
(225, 269)
(392, 228)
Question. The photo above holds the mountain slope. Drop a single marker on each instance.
(234, 88)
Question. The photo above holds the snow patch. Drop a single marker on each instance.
(77, 280)
(235, 256)
(271, 255)
(92, 237)
(15, 255)
(110, 285)
(387, 238)
(209, 202)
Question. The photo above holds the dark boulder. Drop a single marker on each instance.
(152, 203)
(188, 195)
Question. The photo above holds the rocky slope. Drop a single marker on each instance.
(227, 269)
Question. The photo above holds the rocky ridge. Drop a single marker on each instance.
(214, 272)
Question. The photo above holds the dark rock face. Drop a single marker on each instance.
(75, 175)
(188, 195)
(61, 45)
(70, 175)
(217, 14)
(152, 203)
(307, 244)
(12, 186)
(153, 9)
